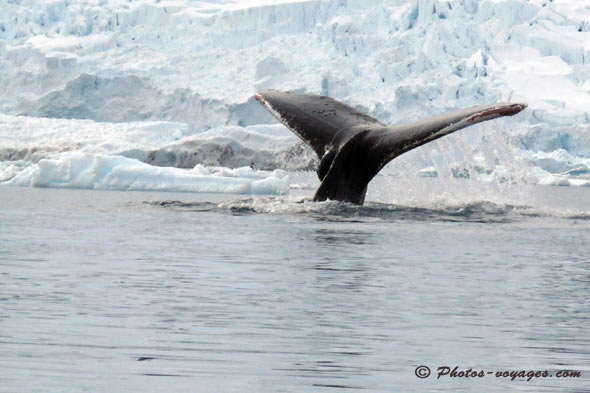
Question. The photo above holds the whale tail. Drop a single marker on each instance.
(352, 146)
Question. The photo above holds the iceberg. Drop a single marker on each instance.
(103, 172)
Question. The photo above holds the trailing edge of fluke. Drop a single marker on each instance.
(352, 146)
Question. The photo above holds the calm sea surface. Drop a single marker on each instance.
(106, 291)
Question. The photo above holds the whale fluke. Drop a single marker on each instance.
(352, 146)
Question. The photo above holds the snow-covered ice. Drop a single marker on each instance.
(98, 171)
(111, 91)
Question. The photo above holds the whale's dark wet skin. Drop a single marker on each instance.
(354, 147)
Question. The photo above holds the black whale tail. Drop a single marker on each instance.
(354, 147)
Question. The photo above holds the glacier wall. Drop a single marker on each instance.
(144, 79)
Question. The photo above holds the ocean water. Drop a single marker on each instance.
(150, 292)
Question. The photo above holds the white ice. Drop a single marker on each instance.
(98, 171)
(171, 83)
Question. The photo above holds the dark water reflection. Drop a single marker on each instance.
(100, 291)
(335, 237)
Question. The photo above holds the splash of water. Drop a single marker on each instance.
(469, 167)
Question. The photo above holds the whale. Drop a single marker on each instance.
(353, 147)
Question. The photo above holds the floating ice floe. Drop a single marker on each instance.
(98, 171)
